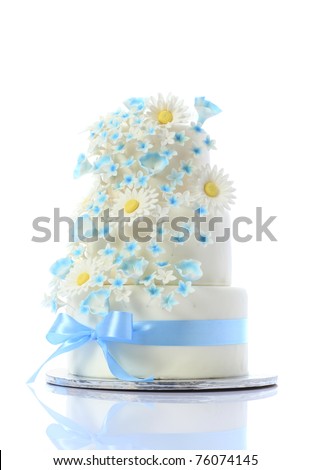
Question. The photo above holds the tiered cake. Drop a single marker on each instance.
(144, 291)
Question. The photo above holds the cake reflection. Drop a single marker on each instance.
(117, 420)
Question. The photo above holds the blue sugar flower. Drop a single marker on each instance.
(85, 227)
(201, 211)
(114, 123)
(104, 136)
(133, 267)
(141, 180)
(119, 258)
(107, 251)
(118, 282)
(82, 167)
(209, 143)
(98, 280)
(169, 301)
(95, 210)
(136, 121)
(160, 232)
(197, 128)
(144, 146)
(129, 136)
(197, 151)
(185, 288)
(176, 177)
(77, 251)
(180, 238)
(132, 247)
(153, 162)
(186, 167)
(207, 140)
(104, 231)
(147, 279)
(118, 185)
(180, 137)
(61, 267)
(154, 291)
(128, 162)
(101, 197)
(189, 269)
(114, 136)
(125, 115)
(166, 188)
(96, 303)
(135, 105)
(102, 162)
(155, 249)
(205, 109)
(168, 153)
(99, 125)
(128, 179)
(203, 238)
(151, 130)
(173, 200)
(112, 171)
(120, 147)
(162, 264)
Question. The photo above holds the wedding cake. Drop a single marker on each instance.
(144, 291)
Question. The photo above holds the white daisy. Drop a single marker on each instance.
(167, 111)
(214, 190)
(80, 277)
(135, 202)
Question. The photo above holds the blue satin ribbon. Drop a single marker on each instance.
(118, 327)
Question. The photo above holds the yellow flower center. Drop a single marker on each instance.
(164, 116)
(131, 206)
(82, 278)
(211, 189)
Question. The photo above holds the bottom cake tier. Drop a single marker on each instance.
(172, 362)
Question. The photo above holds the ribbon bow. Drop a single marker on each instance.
(70, 334)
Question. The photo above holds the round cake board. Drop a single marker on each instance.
(62, 378)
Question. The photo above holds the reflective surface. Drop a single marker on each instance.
(97, 419)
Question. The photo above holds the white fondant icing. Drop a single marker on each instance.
(164, 362)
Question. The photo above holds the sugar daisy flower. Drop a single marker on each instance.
(81, 276)
(135, 202)
(214, 190)
(167, 111)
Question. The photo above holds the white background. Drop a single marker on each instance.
(63, 64)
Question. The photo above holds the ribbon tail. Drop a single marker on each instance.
(63, 348)
(116, 369)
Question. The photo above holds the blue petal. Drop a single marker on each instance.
(102, 161)
(189, 269)
(205, 109)
(133, 267)
(154, 162)
(61, 267)
(83, 166)
(135, 105)
(96, 302)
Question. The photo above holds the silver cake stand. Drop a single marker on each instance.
(62, 378)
